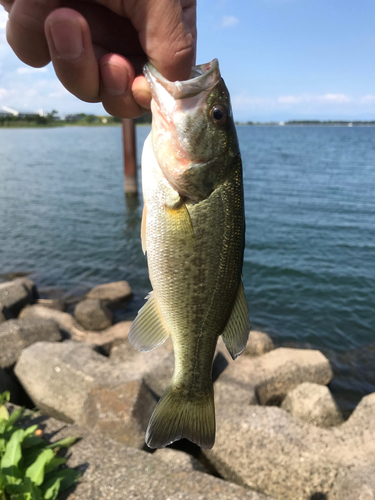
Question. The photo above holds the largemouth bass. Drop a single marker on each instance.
(193, 230)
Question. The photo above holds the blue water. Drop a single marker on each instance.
(309, 270)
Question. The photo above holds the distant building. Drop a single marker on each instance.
(6, 111)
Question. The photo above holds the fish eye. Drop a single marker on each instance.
(219, 114)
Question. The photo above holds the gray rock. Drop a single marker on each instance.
(180, 460)
(112, 294)
(14, 295)
(122, 413)
(363, 417)
(57, 304)
(105, 339)
(92, 314)
(16, 334)
(357, 485)
(276, 373)
(269, 450)
(314, 404)
(113, 471)
(72, 382)
(156, 366)
(259, 343)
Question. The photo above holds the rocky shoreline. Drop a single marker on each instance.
(280, 434)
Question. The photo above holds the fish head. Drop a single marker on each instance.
(193, 133)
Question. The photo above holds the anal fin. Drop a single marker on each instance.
(147, 330)
(236, 331)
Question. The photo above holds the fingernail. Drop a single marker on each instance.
(67, 39)
(115, 79)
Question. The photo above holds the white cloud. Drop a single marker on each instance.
(368, 99)
(3, 92)
(24, 70)
(229, 21)
(310, 98)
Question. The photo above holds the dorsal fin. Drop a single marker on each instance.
(236, 331)
(148, 330)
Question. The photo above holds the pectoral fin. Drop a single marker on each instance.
(180, 221)
(237, 329)
(148, 330)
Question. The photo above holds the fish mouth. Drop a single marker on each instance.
(202, 78)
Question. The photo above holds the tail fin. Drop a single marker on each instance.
(175, 417)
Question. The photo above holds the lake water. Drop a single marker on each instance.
(309, 269)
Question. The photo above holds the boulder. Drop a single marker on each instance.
(120, 413)
(71, 329)
(57, 304)
(267, 449)
(16, 334)
(276, 373)
(92, 314)
(72, 382)
(180, 460)
(259, 343)
(314, 404)
(156, 366)
(14, 295)
(357, 485)
(112, 294)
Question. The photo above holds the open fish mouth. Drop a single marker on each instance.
(203, 78)
(177, 109)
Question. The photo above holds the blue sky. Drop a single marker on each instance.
(281, 59)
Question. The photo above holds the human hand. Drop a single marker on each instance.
(98, 47)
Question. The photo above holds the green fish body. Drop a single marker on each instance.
(193, 231)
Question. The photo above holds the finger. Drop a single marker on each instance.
(6, 4)
(166, 31)
(117, 76)
(72, 53)
(25, 30)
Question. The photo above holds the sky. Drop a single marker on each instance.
(280, 59)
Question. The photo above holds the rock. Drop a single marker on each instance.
(112, 294)
(314, 404)
(14, 295)
(92, 314)
(57, 304)
(357, 485)
(363, 417)
(16, 334)
(259, 343)
(156, 366)
(276, 373)
(65, 321)
(113, 471)
(122, 413)
(72, 382)
(105, 339)
(180, 460)
(269, 450)
(59, 377)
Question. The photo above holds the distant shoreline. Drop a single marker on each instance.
(99, 121)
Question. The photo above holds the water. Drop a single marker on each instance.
(309, 269)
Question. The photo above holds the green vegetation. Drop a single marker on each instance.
(29, 467)
(52, 120)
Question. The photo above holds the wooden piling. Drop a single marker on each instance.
(130, 157)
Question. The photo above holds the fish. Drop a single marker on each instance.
(193, 230)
